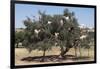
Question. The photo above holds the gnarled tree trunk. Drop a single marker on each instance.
(63, 52)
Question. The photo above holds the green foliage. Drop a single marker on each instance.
(47, 26)
(86, 43)
(19, 37)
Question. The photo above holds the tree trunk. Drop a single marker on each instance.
(88, 52)
(16, 45)
(62, 54)
(75, 51)
(43, 57)
(80, 52)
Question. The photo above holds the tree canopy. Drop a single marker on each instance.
(58, 30)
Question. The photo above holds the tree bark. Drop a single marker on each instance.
(43, 57)
(75, 51)
(80, 51)
(62, 54)
(88, 53)
(16, 45)
(44, 53)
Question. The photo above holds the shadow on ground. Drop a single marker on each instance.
(54, 58)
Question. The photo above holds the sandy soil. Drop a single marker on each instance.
(21, 53)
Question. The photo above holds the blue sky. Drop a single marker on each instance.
(84, 15)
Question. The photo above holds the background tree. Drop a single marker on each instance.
(87, 42)
(19, 37)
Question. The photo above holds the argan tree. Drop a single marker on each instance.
(38, 35)
(44, 33)
(68, 31)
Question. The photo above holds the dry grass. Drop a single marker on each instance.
(22, 53)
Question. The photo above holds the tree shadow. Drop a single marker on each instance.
(81, 58)
(54, 58)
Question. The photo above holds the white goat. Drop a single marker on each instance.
(67, 18)
(83, 36)
(49, 22)
(61, 22)
(56, 34)
(37, 31)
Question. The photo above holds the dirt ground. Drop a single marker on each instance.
(21, 54)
